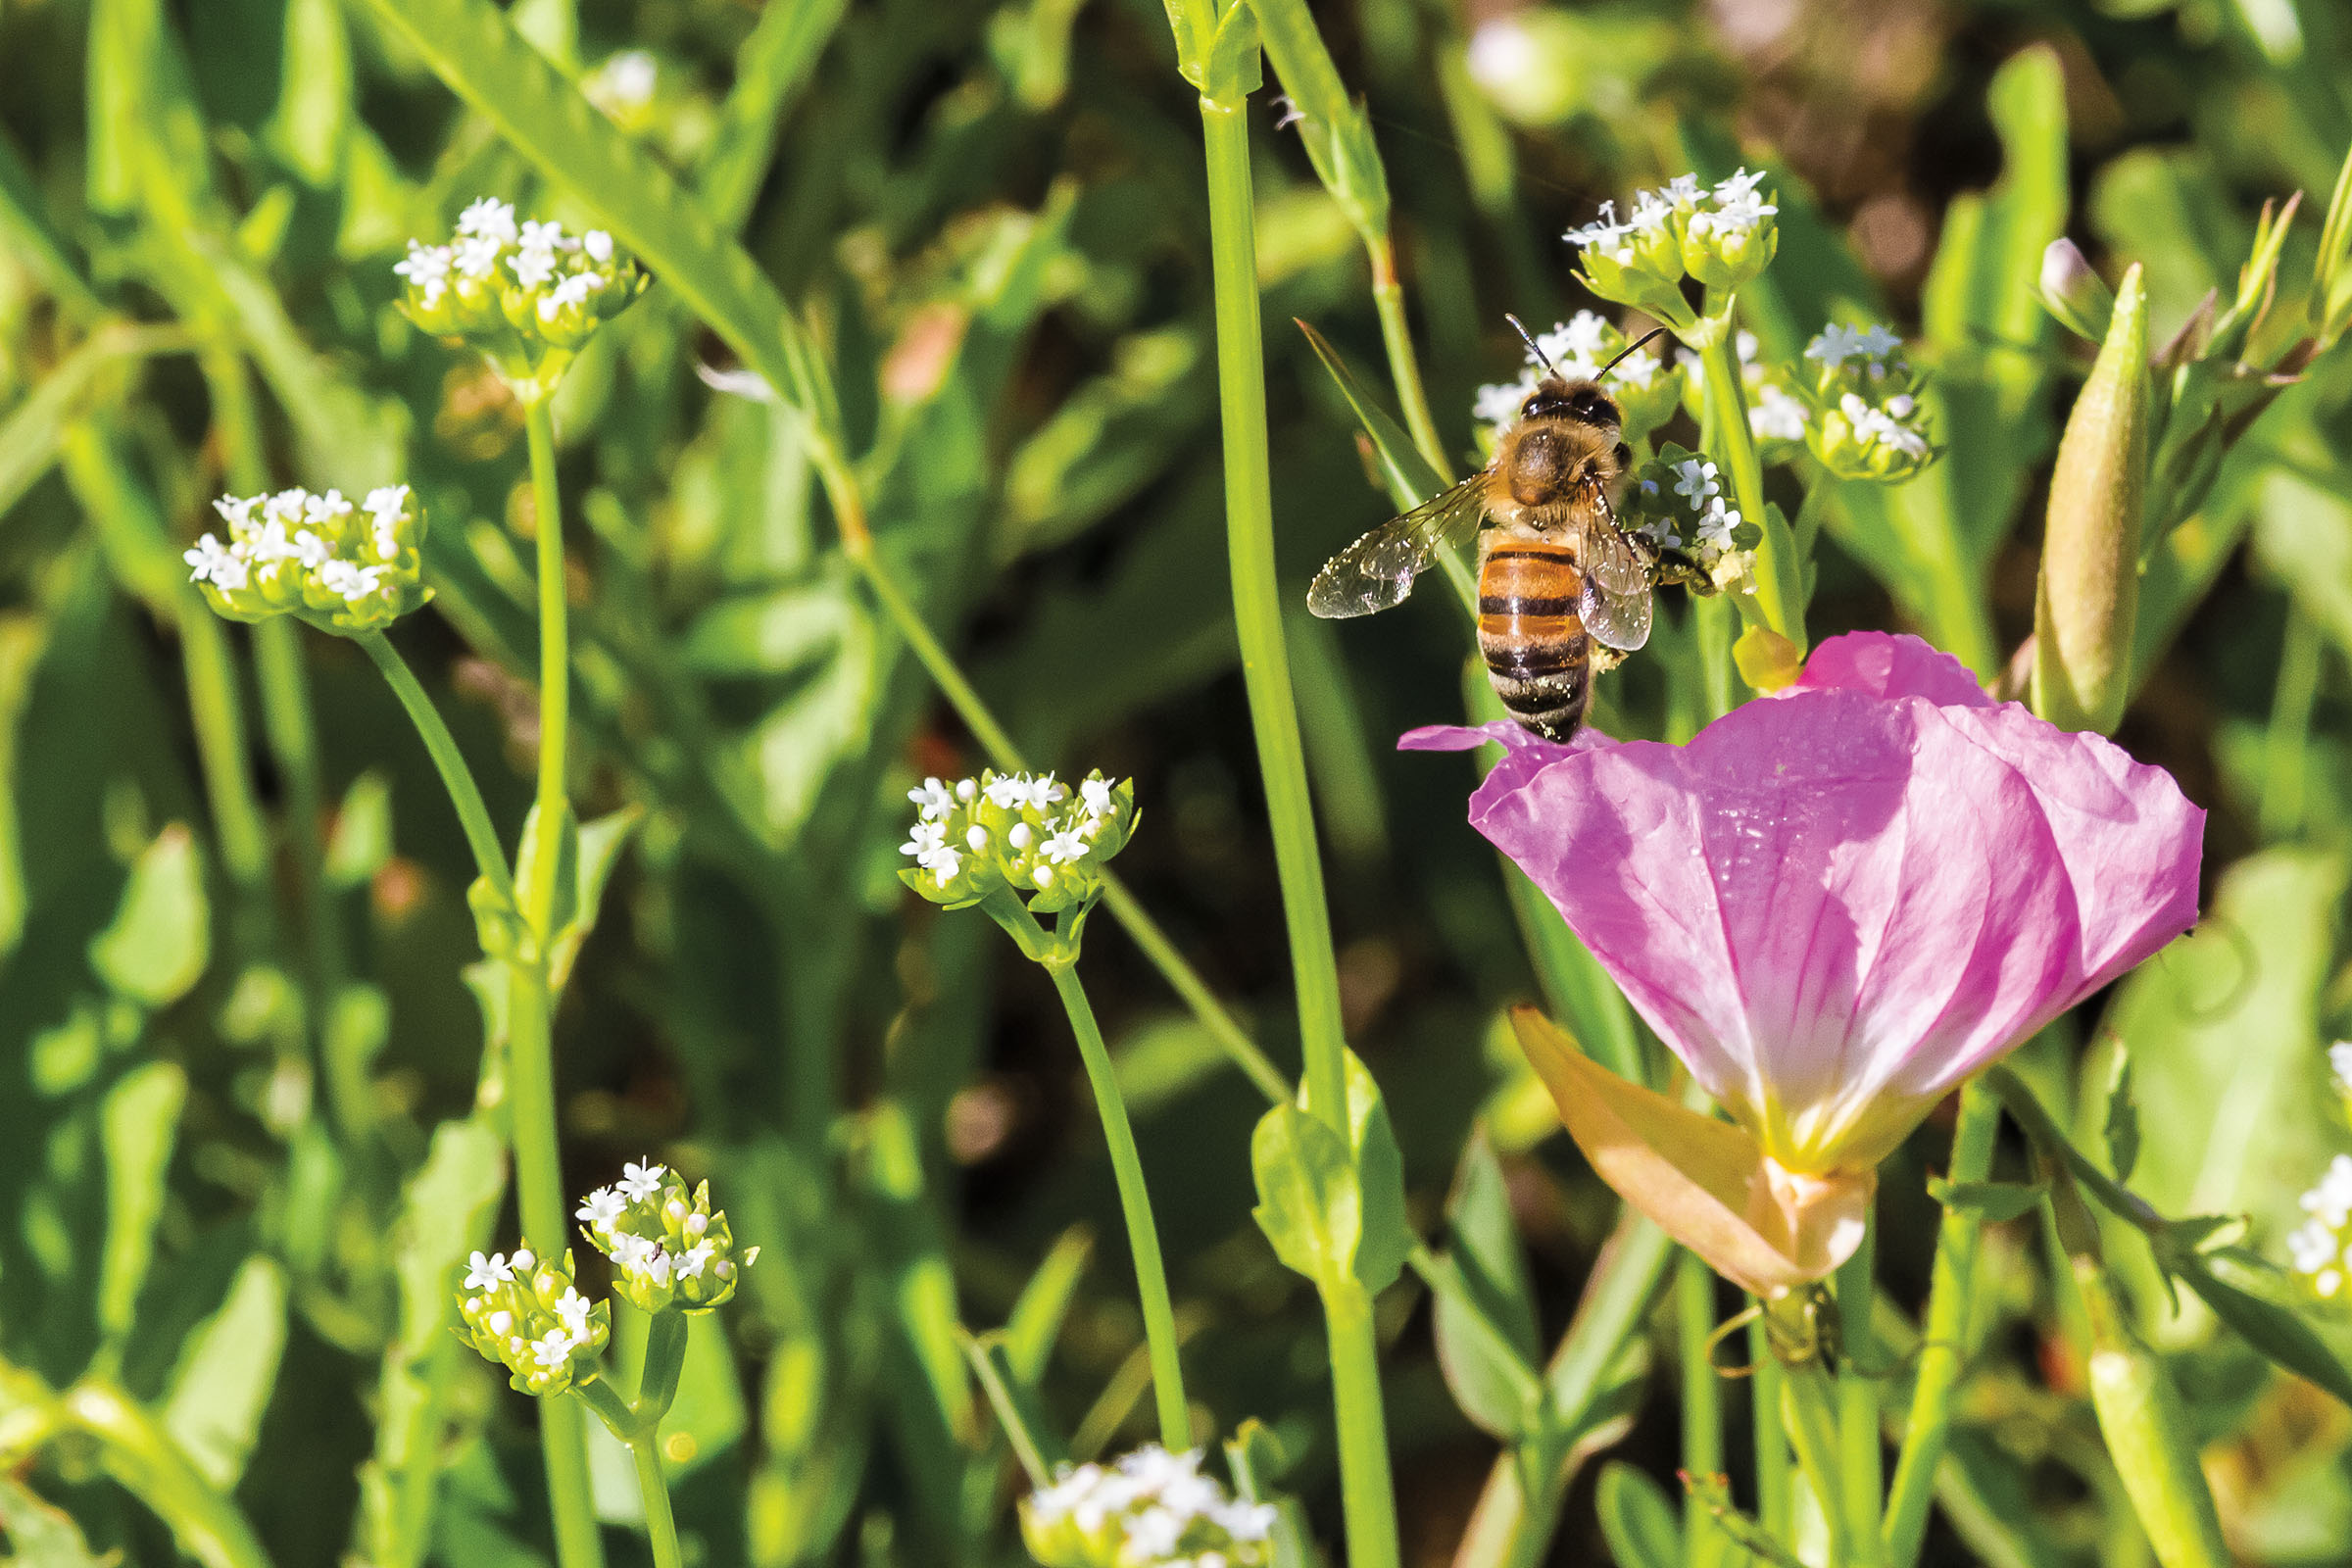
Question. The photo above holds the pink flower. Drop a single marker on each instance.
(1837, 903)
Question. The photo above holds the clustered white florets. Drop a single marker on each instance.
(356, 566)
(1874, 346)
(526, 1315)
(1024, 831)
(1579, 349)
(1722, 236)
(1151, 1509)
(1871, 425)
(512, 281)
(667, 1247)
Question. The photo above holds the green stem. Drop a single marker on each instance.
(531, 1001)
(1809, 1406)
(205, 1523)
(1145, 932)
(1366, 1492)
(1859, 1461)
(1941, 1352)
(1779, 594)
(1258, 605)
(220, 721)
(1405, 366)
(1365, 1485)
(1702, 1403)
(1134, 1203)
(2141, 1415)
(465, 796)
(661, 1526)
(1776, 1479)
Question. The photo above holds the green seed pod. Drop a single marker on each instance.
(2090, 593)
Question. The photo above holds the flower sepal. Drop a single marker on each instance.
(1706, 1183)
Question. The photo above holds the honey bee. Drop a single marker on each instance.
(1556, 574)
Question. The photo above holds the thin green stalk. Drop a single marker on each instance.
(1951, 1284)
(1859, 1462)
(465, 796)
(530, 1047)
(1780, 594)
(1776, 1478)
(1134, 1203)
(1257, 604)
(1367, 1489)
(133, 1447)
(2285, 748)
(1368, 1493)
(1702, 1403)
(1405, 366)
(218, 717)
(1145, 932)
(1809, 1406)
(661, 1526)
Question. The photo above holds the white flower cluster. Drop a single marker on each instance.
(1871, 425)
(1017, 831)
(504, 280)
(1722, 236)
(1151, 1509)
(526, 1313)
(350, 568)
(1645, 386)
(668, 1247)
(2321, 1249)
(1679, 505)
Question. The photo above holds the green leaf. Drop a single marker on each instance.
(1411, 480)
(138, 1125)
(1484, 1246)
(34, 432)
(1387, 1237)
(1037, 1315)
(2224, 1031)
(155, 949)
(362, 843)
(1017, 1411)
(1637, 1519)
(227, 1369)
(313, 120)
(1995, 1200)
(1308, 1201)
(596, 850)
(1715, 1495)
(40, 1535)
(2278, 1332)
(471, 46)
(2123, 1118)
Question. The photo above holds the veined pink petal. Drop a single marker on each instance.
(1890, 664)
(1836, 904)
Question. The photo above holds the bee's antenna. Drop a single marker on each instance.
(1627, 349)
(1542, 357)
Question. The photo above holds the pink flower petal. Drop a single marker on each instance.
(1889, 665)
(1836, 904)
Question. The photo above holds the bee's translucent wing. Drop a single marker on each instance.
(1615, 599)
(1378, 570)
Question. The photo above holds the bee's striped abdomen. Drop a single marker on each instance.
(1538, 655)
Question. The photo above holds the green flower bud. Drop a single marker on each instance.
(1729, 237)
(341, 567)
(1017, 832)
(2074, 294)
(1868, 421)
(525, 1313)
(1151, 1509)
(2090, 593)
(669, 1248)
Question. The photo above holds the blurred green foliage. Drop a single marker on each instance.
(248, 1109)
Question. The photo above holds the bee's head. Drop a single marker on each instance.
(1557, 398)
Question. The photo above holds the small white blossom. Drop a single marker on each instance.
(1779, 416)
(572, 1309)
(1694, 481)
(598, 246)
(641, 1182)
(481, 1273)
(553, 1350)
(1006, 793)
(599, 1209)
(944, 864)
(1044, 793)
(1065, 846)
(923, 838)
(489, 218)
(1095, 795)
(692, 1261)
(932, 798)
